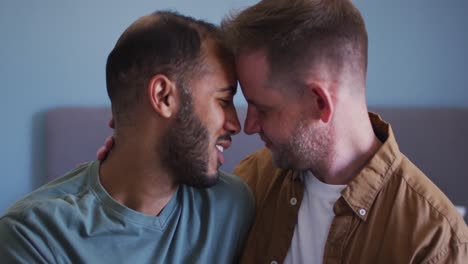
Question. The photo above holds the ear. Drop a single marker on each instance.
(161, 92)
(323, 102)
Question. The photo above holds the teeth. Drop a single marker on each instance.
(220, 148)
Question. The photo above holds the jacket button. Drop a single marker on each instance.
(293, 201)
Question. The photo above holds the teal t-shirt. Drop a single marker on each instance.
(74, 220)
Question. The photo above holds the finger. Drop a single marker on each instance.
(101, 153)
(112, 123)
(109, 142)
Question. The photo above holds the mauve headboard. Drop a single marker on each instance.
(433, 138)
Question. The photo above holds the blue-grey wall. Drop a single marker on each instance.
(418, 52)
(53, 53)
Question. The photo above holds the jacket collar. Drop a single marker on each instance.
(363, 189)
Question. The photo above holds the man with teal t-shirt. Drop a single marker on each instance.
(158, 197)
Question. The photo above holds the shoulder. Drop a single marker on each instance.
(233, 186)
(27, 230)
(37, 222)
(436, 215)
(20, 242)
(47, 202)
(254, 164)
(260, 173)
(257, 169)
(424, 190)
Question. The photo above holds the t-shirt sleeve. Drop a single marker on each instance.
(19, 244)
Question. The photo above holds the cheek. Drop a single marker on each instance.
(277, 129)
(213, 117)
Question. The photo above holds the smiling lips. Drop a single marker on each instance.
(221, 146)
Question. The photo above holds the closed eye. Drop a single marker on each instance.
(226, 102)
(261, 111)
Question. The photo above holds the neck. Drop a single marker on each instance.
(132, 174)
(355, 145)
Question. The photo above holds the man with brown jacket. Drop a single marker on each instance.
(332, 185)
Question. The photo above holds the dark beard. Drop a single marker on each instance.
(184, 149)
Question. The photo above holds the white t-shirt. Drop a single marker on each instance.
(314, 220)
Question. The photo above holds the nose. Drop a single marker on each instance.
(232, 124)
(251, 124)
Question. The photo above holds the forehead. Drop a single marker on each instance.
(252, 71)
(259, 86)
(219, 70)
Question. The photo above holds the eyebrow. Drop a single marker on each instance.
(232, 89)
(250, 101)
(256, 104)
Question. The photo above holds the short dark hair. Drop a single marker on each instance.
(163, 42)
(296, 33)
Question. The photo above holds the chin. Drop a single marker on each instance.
(279, 160)
(209, 180)
(282, 164)
(203, 178)
(212, 174)
(286, 161)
